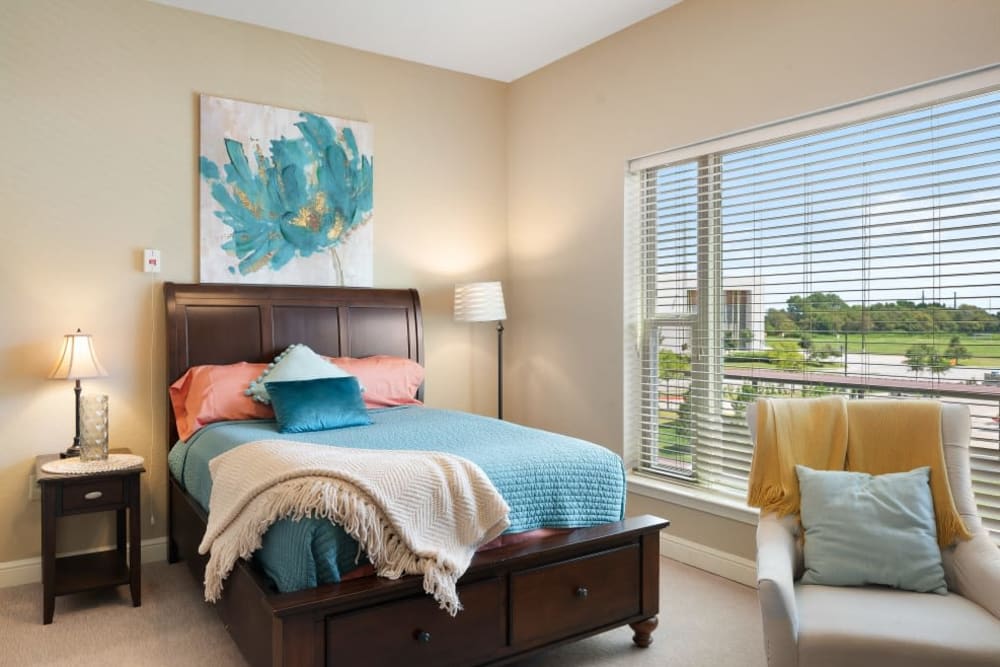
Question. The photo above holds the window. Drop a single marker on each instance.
(860, 259)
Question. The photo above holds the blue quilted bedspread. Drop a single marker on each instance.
(548, 480)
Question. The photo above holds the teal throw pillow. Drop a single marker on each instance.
(297, 362)
(318, 405)
(870, 529)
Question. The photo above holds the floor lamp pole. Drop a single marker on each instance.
(499, 370)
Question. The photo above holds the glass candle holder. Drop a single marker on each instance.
(94, 427)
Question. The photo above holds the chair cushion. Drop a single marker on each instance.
(891, 628)
(870, 529)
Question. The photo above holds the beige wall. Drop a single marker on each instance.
(695, 71)
(99, 137)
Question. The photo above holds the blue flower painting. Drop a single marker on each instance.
(286, 196)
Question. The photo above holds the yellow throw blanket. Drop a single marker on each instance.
(895, 436)
(831, 433)
(812, 432)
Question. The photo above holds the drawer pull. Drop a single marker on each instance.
(582, 592)
(423, 636)
(93, 495)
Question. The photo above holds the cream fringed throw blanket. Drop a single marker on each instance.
(872, 436)
(412, 512)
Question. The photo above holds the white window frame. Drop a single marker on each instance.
(689, 494)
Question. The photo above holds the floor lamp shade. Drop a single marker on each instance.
(483, 302)
(479, 302)
(77, 361)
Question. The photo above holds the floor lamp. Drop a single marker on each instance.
(483, 302)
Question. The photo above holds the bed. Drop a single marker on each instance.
(519, 598)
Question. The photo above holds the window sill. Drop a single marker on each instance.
(690, 497)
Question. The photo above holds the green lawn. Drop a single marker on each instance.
(985, 348)
(674, 441)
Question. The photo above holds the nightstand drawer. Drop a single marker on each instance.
(574, 596)
(89, 495)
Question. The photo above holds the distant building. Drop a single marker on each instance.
(742, 309)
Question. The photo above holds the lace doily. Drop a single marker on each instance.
(74, 466)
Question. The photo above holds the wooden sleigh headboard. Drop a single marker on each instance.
(225, 324)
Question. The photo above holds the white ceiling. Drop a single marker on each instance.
(497, 39)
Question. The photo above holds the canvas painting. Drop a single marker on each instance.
(286, 196)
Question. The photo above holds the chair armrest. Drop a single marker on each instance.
(974, 568)
(776, 558)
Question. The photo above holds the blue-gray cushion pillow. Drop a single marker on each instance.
(870, 529)
(318, 405)
(297, 362)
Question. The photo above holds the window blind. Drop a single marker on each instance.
(862, 260)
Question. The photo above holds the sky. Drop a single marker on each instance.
(905, 207)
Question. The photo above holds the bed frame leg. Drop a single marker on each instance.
(172, 555)
(643, 636)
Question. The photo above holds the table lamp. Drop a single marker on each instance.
(77, 360)
(483, 302)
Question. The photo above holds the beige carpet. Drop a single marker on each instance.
(704, 620)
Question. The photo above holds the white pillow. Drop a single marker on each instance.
(298, 362)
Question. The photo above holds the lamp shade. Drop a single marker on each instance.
(78, 359)
(479, 302)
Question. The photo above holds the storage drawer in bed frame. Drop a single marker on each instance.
(518, 599)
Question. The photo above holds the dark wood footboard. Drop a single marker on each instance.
(518, 600)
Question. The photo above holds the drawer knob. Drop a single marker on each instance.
(423, 636)
(93, 495)
(582, 592)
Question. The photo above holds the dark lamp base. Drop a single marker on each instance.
(73, 450)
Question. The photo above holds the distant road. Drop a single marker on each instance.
(891, 365)
(984, 413)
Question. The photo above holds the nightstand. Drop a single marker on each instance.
(65, 495)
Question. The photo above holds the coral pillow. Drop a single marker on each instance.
(387, 381)
(207, 394)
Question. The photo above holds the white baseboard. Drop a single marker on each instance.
(735, 568)
(29, 570)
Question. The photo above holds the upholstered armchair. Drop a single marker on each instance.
(828, 626)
